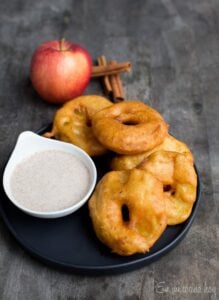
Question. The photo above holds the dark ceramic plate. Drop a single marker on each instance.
(70, 243)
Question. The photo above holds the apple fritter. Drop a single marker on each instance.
(127, 162)
(72, 123)
(179, 179)
(128, 211)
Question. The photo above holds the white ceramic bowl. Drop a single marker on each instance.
(27, 144)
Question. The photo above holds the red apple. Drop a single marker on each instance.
(60, 70)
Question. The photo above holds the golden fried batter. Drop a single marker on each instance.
(72, 123)
(177, 173)
(129, 127)
(128, 211)
(127, 162)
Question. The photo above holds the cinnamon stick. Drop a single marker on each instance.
(103, 62)
(110, 69)
(117, 88)
(121, 96)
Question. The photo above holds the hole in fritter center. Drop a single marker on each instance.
(88, 123)
(169, 189)
(130, 122)
(125, 213)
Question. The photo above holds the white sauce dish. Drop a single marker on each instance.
(47, 178)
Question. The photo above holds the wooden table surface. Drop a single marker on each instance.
(174, 48)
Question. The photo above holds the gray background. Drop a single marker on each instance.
(174, 48)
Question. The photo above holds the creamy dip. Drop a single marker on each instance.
(49, 181)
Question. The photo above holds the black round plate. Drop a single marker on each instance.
(70, 242)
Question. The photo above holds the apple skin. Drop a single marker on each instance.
(60, 70)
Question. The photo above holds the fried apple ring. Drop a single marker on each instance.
(128, 211)
(72, 123)
(177, 173)
(127, 162)
(129, 127)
